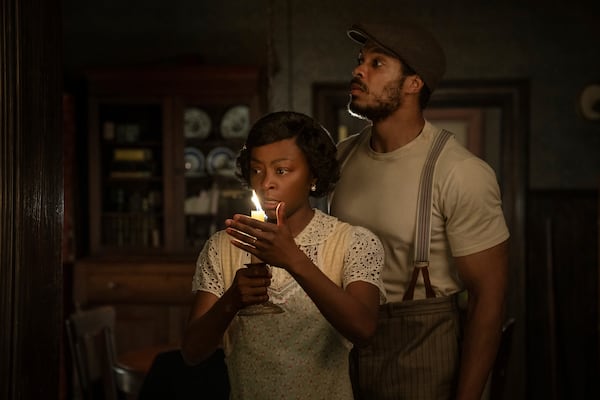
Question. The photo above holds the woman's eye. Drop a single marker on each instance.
(280, 171)
(255, 171)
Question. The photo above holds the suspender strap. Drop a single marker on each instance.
(423, 226)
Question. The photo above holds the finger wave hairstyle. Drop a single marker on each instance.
(312, 139)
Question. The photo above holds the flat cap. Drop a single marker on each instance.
(411, 43)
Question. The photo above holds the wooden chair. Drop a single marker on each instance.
(91, 340)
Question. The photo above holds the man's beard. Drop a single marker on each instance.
(386, 105)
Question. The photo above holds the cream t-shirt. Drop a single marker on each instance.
(379, 191)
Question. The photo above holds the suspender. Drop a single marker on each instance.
(423, 225)
(424, 202)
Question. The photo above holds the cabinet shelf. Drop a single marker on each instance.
(146, 231)
(141, 121)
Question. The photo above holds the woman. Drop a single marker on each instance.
(325, 274)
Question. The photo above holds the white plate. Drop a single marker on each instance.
(193, 161)
(197, 123)
(221, 161)
(236, 122)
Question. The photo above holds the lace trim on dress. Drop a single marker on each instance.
(318, 229)
(206, 278)
(364, 260)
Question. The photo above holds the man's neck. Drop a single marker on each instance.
(397, 130)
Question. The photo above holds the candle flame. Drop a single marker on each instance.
(256, 201)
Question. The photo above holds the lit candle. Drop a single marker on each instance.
(258, 214)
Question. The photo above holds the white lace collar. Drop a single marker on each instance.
(318, 229)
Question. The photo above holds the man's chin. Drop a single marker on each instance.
(357, 111)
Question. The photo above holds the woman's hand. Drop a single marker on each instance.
(210, 315)
(249, 286)
(271, 243)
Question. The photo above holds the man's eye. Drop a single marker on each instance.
(359, 60)
(377, 63)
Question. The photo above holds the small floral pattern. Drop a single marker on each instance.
(296, 354)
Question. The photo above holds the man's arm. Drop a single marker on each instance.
(485, 275)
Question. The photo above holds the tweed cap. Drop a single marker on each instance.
(411, 43)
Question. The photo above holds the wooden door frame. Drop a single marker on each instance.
(31, 199)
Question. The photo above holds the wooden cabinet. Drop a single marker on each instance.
(152, 299)
(162, 147)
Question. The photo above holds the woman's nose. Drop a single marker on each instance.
(267, 181)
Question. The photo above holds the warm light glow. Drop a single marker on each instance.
(256, 201)
(258, 214)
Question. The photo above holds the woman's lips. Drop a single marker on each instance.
(269, 205)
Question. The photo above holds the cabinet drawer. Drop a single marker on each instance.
(139, 289)
(133, 284)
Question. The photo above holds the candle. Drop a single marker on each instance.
(258, 214)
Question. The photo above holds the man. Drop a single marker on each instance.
(422, 349)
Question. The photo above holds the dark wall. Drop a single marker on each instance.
(551, 45)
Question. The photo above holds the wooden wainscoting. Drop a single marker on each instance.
(151, 299)
(562, 294)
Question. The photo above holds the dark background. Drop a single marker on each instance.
(552, 46)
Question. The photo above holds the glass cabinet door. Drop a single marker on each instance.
(162, 145)
(212, 137)
(131, 192)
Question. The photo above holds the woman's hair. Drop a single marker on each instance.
(312, 139)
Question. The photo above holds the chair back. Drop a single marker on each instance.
(91, 340)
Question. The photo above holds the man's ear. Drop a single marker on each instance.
(414, 84)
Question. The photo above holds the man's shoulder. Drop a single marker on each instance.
(453, 151)
(347, 145)
(456, 159)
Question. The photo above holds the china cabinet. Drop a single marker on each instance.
(162, 149)
(162, 144)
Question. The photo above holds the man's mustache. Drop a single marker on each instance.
(359, 83)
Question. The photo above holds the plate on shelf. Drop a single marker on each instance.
(236, 122)
(193, 161)
(221, 161)
(196, 123)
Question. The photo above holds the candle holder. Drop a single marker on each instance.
(264, 308)
(267, 307)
